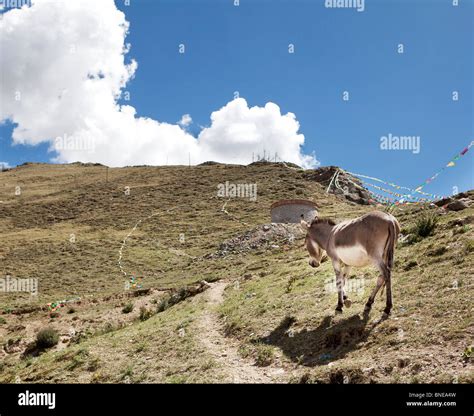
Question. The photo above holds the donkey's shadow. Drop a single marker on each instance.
(325, 343)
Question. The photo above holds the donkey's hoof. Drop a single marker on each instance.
(385, 316)
(347, 303)
(367, 309)
(338, 310)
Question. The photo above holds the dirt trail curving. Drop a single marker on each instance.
(225, 350)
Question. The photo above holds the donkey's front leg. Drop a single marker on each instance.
(339, 284)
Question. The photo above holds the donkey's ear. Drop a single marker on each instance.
(304, 225)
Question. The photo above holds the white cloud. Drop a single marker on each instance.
(185, 121)
(61, 85)
(237, 131)
(4, 165)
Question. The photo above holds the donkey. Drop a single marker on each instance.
(366, 240)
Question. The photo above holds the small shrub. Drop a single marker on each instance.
(461, 230)
(439, 251)
(13, 341)
(2, 321)
(425, 225)
(93, 365)
(47, 338)
(178, 296)
(410, 265)
(467, 354)
(78, 359)
(98, 377)
(141, 347)
(264, 356)
(469, 246)
(108, 327)
(289, 285)
(162, 305)
(244, 351)
(232, 328)
(81, 336)
(412, 239)
(128, 308)
(182, 292)
(127, 372)
(145, 314)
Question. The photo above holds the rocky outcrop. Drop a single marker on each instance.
(456, 202)
(264, 237)
(347, 185)
(457, 205)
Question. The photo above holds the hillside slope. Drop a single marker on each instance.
(223, 295)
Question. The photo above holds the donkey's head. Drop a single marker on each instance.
(316, 252)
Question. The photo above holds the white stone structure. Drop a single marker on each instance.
(290, 211)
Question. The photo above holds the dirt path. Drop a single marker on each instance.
(225, 350)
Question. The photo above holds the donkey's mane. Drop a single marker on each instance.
(323, 221)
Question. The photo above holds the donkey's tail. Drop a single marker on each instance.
(393, 231)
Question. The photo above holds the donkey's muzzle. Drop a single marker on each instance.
(313, 263)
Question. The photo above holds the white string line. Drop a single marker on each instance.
(332, 180)
(230, 215)
(124, 242)
(335, 181)
(290, 167)
(338, 185)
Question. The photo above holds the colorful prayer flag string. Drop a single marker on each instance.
(393, 185)
(133, 283)
(410, 197)
(448, 165)
(54, 306)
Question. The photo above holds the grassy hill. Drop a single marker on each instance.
(224, 296)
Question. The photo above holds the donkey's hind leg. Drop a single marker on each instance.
(380, 281)
(370, 301)
(339, 284)
(384, 279)
(347, 301)
(388, 286)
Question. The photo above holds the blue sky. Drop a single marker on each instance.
(245, 49)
